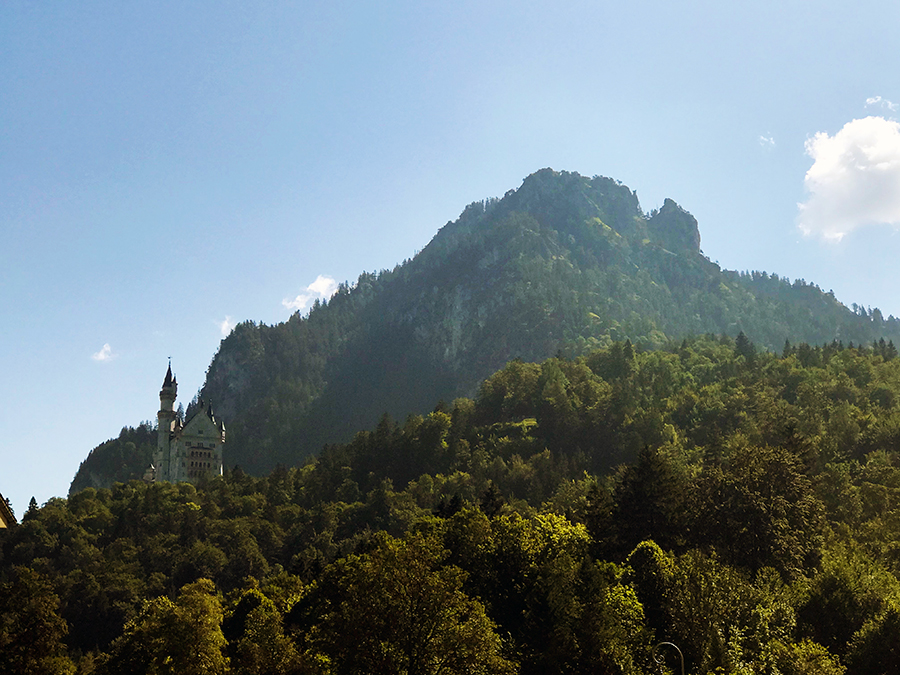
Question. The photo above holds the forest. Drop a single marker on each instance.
(739, 503)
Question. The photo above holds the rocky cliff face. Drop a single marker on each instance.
(675, 229)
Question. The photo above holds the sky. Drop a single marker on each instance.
(170, 169)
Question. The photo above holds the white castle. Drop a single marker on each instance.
(188, 451)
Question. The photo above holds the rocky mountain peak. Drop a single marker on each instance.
(674, 229)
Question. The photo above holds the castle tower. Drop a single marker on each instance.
(166, 464)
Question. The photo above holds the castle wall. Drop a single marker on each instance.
(190, 451)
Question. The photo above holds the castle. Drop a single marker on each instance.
(7, 519)
(186, 451)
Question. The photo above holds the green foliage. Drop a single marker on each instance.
(183, 637)
(806, 658)
(874, 648)
(256, 638)
(712, 610)
(848, 592)
(397, 609)
(650, 498)
(574, 513)
(652, 574)
(31, 630)
(118, 459)
(759, 511)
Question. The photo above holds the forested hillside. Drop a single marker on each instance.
(565, 264)
(756, 524)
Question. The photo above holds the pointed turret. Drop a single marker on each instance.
(220, 425)
(169, 391)
(166, 418)
(150, 473)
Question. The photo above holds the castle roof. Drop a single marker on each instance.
(170, 380)
(206, 408)
(6, 512)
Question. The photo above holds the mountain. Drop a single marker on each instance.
(563, 265)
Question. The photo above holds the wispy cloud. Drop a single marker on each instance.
(322, 288)
(767, 142)
(854, 179)
(105, 354)
(226, 326)
(882, 102)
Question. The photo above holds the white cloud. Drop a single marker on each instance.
(226, 326)
(322, 288)
(105, 354)
(883, 102)
(767, 142)
(854, 179)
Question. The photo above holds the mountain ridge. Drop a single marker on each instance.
(564, 264)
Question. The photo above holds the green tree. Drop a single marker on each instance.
(848, 591)
(256, 641)
(31, 630)
(649, 500)
(651, 573)
(875, 650)
(759, 510)
(744, 347)
(708, 604)
(173, 638)
(398, 610)
(580, 619)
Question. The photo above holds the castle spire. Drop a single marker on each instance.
(170, 379)
(169, 391)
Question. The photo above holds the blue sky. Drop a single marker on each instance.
(168, 169)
